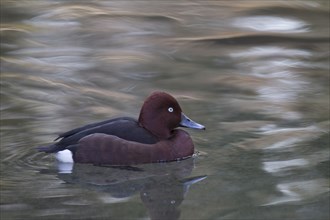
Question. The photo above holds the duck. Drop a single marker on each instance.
(153, 137)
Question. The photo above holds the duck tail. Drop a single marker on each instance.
(52, 148)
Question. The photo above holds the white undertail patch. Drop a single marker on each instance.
(64, 156)
(64, 161)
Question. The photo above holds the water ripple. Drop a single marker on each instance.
(280, 166)
(255, 72)
(251, 39)
(299, 191)
(271, 24)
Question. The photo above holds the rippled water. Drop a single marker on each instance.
(255, 73)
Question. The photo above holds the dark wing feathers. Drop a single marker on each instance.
(124, 127)
(86, 127)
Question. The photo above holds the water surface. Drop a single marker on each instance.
(255, 73)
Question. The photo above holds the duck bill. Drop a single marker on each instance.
(188, 123)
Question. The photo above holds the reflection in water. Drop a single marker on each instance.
(271, 51)
(162, 187)
(278, 83)
(271, 24)
(277, 166)
(255, 72)
(298, 191)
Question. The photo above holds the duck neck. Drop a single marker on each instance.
(153, 126)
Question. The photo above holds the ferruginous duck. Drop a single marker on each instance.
(154, 137)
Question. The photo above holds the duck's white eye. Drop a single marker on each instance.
(170, 109)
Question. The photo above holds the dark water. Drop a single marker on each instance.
(255, 73)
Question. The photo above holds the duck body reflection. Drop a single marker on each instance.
(162, 186)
